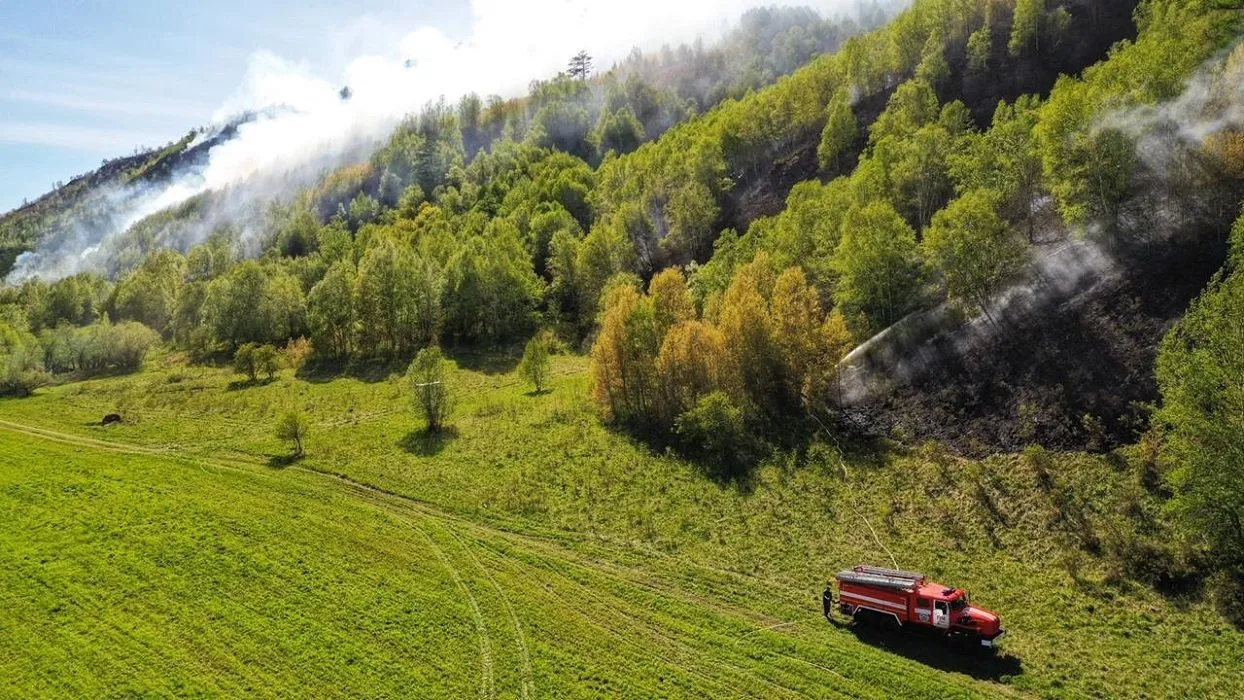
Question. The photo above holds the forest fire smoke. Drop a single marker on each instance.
(303, 124)
(1174, 143)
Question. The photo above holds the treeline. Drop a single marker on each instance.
(934, 208)
(1200, 367)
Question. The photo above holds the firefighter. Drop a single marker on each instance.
(827, 601)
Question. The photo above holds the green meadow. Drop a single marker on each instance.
(533, 552)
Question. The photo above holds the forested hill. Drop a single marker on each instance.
(721, 259)
(579, 112)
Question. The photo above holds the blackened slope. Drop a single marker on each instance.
(1072, 370)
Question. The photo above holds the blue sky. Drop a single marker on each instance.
(88, 80)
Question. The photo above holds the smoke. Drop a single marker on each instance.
(301, 125)
(1178, 190)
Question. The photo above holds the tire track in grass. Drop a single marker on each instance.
(643, 628)
(487, 681)
(375, 496)
(401, 505)
(529, 685)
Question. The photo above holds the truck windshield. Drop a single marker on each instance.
(959, 603)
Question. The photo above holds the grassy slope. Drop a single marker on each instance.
(595, 565)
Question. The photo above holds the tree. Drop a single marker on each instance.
(149, 295)
(254, 304)
(913, 104)
(933, 68)
(980, 48)
(332, 313)
(878, 268)
(973, 248)
(428, 376)
(292, 427)
(753, 361)
(842, 129)
(671, 299)
(244, 361)
(534, 366)
(267, 359)
(623, 371)
(691, 363)
(580, 65)
(399, 298)
(619, 131)
(1199, 368)
(795, 310)
(1026, 27)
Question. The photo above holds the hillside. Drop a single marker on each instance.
(587, 392)
(534, 553)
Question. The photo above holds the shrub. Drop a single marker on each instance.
(535, 365)
(244, 361)
(97, 348)
(253, 359)
(430, 380)
(713, 429)
(267, 360)
(21, 373)
(292, 427)
(297, 351)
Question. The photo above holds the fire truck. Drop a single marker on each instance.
(913, 601)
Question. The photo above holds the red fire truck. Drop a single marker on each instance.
(910, 599)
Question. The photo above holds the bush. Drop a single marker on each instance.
(292, 427)
(244, 361)
(21, 370)
(267, 360)
(713, 429)
(430, 380)
(97, 348)
(253, 359)
(535, 365)
(21, 373)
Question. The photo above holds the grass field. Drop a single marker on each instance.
(531, 553)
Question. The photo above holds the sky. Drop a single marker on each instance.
(88, 80)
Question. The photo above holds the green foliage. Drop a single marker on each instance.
(713, 430)
(1026, 26)
(973, 249)
(399, 299)
(292, 427)
(149, 295)
(21, 366)
(429, 379)
(254, 303)
(878, 267)
(841, 131)
(1005, 159)
(1199, 366)
(534, 366)
(253, 359)
(101, 347)
(332, 312)
(980, 49)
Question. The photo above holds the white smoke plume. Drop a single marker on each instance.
(304, 126)
(1170, 140)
